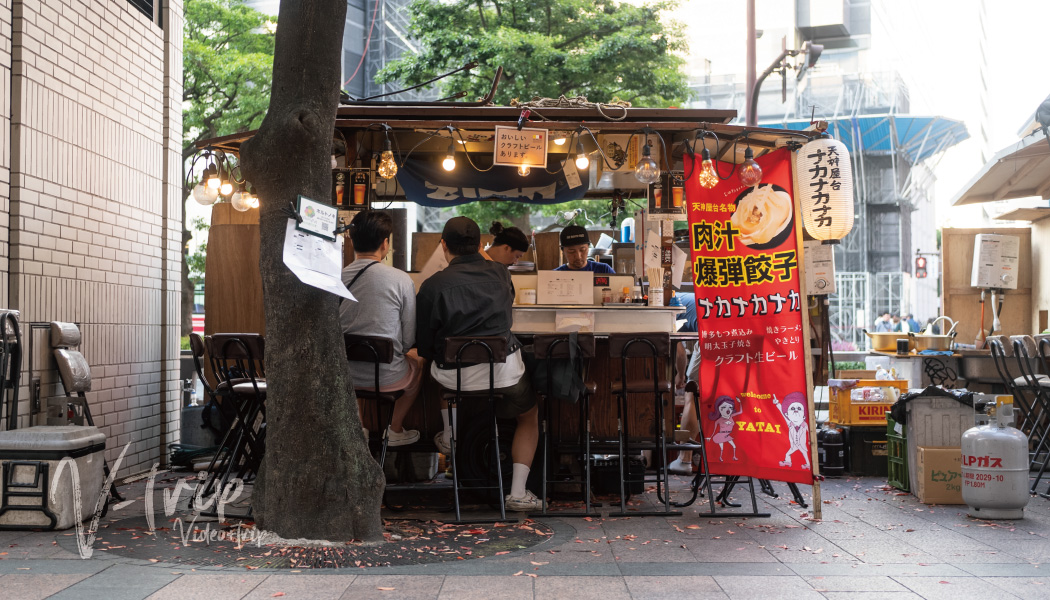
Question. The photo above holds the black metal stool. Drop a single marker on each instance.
(377, 351)
(561, 347)
(465, 351)
(648, 349)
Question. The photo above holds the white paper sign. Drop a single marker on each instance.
(565, 287)
(678, 259)
(514, 147)
(652, 250)
(318, 218)
(572, 176)
(315, 261)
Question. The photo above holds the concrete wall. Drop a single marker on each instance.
(90, 119)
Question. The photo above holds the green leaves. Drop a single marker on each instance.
(602, 50)
(227, 68)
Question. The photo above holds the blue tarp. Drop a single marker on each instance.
(918, 138)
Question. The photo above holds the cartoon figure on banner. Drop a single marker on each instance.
(725, 409)
(794, 412)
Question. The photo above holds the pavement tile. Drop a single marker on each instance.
(581, 588)
(872, 596)
(871, 551)
(784, 587)
(209, 586)
(703, 568)
(877, 570)
(308, 586)
(729, 551)
(846, 583)
(1029, 588)
(674, 588)
(34, 586)
(118, 582)
(485, 588)
(1006, 570)
(52, 566)
(405, 587)
(952, 588)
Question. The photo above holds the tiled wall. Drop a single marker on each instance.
(93, 227)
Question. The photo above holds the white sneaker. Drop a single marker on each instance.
(677, 467)
(407, 436)
(527, 503)
(441, 440)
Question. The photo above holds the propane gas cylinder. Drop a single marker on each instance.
(995, 466)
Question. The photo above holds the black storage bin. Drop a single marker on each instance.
(867, 454)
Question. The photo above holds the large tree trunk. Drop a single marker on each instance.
(318, 480)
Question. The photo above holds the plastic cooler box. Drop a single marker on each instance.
(843, 411)
(29, 460)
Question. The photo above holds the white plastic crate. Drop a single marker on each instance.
(934, 421)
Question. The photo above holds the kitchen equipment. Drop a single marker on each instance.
(885, 341)
(929, 341)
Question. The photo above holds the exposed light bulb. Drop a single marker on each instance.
(647, 170)
(387, 168)
(254, 201)
(582, 162)
(559, 141)
(204, 195)
(524, 170)
(708, 177)
(450, 159)
(241, 201)
(750, 172)
(211, 176)
(226, 188)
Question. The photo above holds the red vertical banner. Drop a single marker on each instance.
(754, 411)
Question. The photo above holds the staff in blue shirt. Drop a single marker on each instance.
(574, 246)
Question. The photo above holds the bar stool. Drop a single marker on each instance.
(465, 351)
(646, 349)
(564, 347)
(237, 360)
(377, 351)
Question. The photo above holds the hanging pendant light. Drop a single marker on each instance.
(750, 171)
(708, 177)
(449, 163)
(387, 167)
(582, 162)
(647, 171)
(825, 183)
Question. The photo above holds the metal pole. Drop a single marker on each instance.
(749, 92)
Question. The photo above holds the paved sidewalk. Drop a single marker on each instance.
(872, 543)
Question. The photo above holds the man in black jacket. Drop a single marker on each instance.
(473, 297)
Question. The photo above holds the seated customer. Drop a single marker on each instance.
(473, 297)
(386, 308)
(683, 464)
(574, 245)
(508, 245)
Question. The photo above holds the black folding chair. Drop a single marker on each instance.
(237, 359)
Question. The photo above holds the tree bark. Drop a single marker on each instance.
(318, 480)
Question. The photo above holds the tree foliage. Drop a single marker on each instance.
(227, 65)
(603, 49)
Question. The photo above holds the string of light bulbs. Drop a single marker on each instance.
(221, 179)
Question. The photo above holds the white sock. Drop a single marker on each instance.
(517, 481)
(445, 421)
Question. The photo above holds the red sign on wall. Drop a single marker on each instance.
(753, 404)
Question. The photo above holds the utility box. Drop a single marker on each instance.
(995, 261)
(29, 476)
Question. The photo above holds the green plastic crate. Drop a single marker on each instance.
(896, 455)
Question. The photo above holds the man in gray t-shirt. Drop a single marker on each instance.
(385, 307)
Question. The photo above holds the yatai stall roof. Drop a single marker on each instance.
(421, 136)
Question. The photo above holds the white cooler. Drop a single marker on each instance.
(25, 456)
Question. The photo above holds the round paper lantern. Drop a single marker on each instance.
(825, 187)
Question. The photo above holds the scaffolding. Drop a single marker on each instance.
(849, 310)
(389, 42)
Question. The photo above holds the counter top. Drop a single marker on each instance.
(613, 306)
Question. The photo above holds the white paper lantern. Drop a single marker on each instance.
(825, 186)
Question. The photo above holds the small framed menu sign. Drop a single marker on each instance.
(316, 218)
(514, 147)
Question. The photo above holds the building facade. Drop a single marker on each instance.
(90, 185)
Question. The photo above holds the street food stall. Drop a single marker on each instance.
(636, 161)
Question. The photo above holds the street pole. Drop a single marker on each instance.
(749, 115)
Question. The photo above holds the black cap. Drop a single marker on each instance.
(574, 235)
(461, 231)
